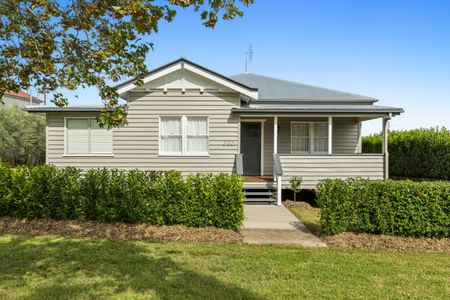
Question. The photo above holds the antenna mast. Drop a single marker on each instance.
(248, 56)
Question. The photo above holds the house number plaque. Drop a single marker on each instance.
(229, 143)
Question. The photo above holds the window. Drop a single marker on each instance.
(309, 137)
(183, 135)
(85, 137)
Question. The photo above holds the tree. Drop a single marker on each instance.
(22, 136)
(51, 44)
(295, 182)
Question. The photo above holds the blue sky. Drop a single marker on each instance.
(396, 51)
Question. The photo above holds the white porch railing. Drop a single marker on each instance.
(313, 168)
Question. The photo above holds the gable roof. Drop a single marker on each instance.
(279, 90)
(183, 63)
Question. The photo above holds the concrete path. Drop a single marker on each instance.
(271, 224)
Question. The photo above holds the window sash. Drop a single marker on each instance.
(300, 137)
(196, 135)
(320, 137)
(171, 135)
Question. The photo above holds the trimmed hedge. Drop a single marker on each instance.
(404, 208)
(156, 197)
(418, 153)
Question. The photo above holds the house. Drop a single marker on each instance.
(21, 99)
(192, 119)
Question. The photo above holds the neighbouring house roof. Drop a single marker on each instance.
(95, 108)
(23, 95)
(310, 108)
(274, 90)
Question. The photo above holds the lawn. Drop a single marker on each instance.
(309, 215)
(46, 267)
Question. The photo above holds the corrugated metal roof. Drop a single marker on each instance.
(335, 108)
(66, 108)
(273, 89)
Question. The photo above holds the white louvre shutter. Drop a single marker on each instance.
(101, 139)
(77, 139)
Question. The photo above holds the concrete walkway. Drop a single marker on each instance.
(271, 224)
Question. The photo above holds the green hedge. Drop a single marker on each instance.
(418, 153)
(404, 208)
(104, 195)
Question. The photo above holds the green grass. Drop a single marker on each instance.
(49, 267)
(310, 216)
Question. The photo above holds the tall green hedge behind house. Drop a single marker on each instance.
(418, 153)
(394, 207)
(156, 197)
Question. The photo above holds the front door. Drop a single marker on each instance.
(251, 147)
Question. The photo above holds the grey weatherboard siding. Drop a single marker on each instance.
(136, 145)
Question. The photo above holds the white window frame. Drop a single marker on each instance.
(85, 154)
(311, 138)
(184, 136)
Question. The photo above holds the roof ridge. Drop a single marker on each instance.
(304, 84)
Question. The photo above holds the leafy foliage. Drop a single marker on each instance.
(22, 136)
(156, 197)
(418, 153)
(66, 44)
(404, 208)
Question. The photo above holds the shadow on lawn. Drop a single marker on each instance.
(81, 268)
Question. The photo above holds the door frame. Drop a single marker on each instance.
(262, 122)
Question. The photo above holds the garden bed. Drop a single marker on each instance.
(118, 231)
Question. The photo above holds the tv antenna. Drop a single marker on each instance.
(248, 56)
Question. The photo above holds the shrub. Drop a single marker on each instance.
(418, 153)
(404, 208)
(124, 196)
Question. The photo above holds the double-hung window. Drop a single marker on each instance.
(85, 137)
(309, 137)
(183, 135)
